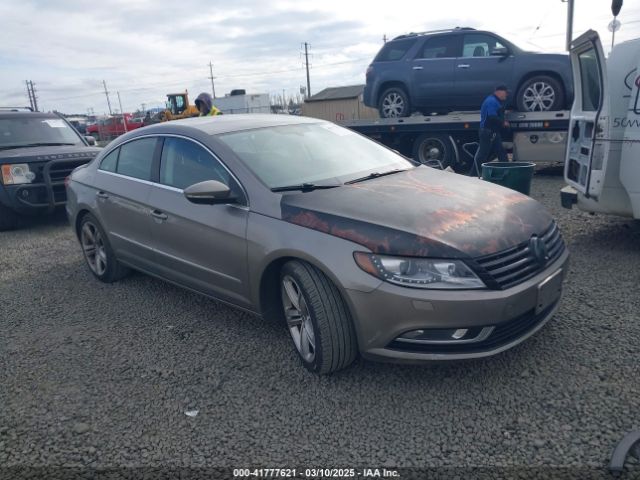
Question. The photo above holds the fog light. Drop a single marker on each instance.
(446, 335)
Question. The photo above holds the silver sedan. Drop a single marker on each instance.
(355, 248)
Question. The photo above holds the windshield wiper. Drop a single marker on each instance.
(39, 144)
(375, 175)
(305, 187)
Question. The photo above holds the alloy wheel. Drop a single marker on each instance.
(298, 319)
(93, 248)
(539, 97)
(393, 105)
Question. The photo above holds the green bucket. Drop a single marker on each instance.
(514, 175)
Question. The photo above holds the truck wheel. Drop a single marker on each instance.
(435, 150)
(318, 318)
(8, 219)
(540, 94)
(394, 102)
(98, 253)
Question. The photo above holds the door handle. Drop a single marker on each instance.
(159, 215)
(463, 65)
(102, 195)
(417, 68)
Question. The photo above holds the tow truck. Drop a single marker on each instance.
(451, 140)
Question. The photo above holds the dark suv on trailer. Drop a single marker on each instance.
(37, 152)
(455, 69)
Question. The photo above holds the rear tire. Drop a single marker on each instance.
(318, 318)
(435, 150)
(394, 103)
(97, 251)
(540, 94)
(8, 219)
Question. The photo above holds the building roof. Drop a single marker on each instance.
(337, 93)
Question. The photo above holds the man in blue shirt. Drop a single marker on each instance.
(491, 123)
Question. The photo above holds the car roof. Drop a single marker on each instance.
(437, 32)
(231, 123)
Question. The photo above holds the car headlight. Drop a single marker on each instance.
(416, 272)
(16, 174)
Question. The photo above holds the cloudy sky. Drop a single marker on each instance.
(147, 48)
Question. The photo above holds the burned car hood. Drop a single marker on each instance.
(421, 212)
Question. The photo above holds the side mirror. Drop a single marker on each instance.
(499, 52)
(91, 140)
(209, 192)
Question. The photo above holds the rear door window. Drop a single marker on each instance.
(185, 163)
(444, 46)
(110, 162)
(136, 158)
(590, 80)
(395, 50)
(479, 45)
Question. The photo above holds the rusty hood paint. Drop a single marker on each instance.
(421, 212)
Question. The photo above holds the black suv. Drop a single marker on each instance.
(37, 152)
(456, 69)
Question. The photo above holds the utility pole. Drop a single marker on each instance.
(384, 38)
(284, 100)
(107, 94)
(616, 5)
(213, 88)
(306, 60)
(143, 105)
(29, 95)
(31, 92)
(569, 23)
(124, 121)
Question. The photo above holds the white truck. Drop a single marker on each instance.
(602, 164)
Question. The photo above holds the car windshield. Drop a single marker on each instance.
(26, 131)
(310, 153)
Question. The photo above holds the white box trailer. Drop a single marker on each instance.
(256, 103)
(602, 166)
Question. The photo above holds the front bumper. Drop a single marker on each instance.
(44, 195)
(390, 311)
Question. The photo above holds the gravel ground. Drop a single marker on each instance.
(95, 375)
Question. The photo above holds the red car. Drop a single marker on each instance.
(111, 127)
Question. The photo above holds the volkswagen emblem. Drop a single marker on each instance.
(539, 250)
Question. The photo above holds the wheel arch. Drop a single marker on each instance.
(78, 220)
(388, 84)
(536, 73)
(269, 286)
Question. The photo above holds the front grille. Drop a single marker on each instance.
(515, 265)
(503, 334)
(59, 170)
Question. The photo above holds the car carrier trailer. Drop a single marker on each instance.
(451, 140)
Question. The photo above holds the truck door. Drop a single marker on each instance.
(432, 71)
(587, 149)
(478, 70)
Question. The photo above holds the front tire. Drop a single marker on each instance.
(540, 94)
(8, 219)
(318, 318)
(394, 103)
(97, 251)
